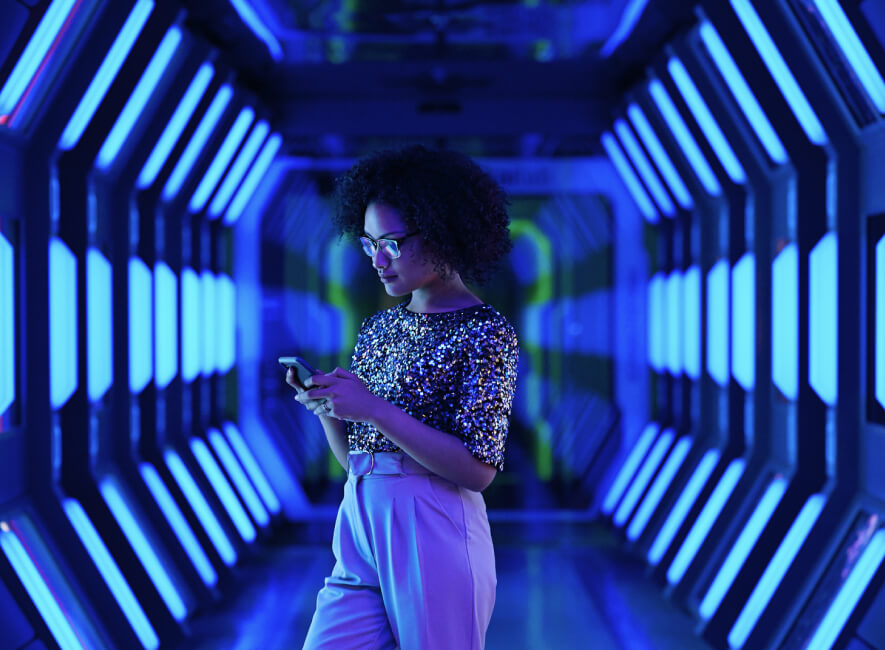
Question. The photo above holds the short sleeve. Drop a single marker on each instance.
(483, 417)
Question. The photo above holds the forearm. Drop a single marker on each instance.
(336, 435)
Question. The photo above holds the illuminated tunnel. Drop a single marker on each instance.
(697, 281)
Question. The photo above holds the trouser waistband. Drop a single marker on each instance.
(367, 463)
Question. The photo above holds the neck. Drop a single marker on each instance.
(445, 295)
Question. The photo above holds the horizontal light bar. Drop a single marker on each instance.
(141, 318)
(7, 324)
(238, 476)
(718, 302)
(226, 300)
(785, 321)
(743, 321)
(256, 174)
(222, 159)
(191, 345)
(643, 477)
(628, 469)
(223, 489)
(238, 170)
(823, 318)
(657, 324)
(165, 323)
(658, 488)
(99, 324)
(62, 322)
(268, 496)
(631, 180)
(643, 166)
(880, 322)
(691, 322)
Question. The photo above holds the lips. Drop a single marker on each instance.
(386, 278)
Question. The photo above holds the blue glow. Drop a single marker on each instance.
(238, 170)
(630, 16)
(852, 589)
(254, 23)
(778, 69)
(631, 180)
(658, 488)
(7, 324)
(701, 528)
(742, 94)
(165, 323)
(742, 547)
(227, 322)
(823, 318)
(268, 496)
(643, 477)
(628, 469)
(880, 322)
(662, 160)
(39, 592)
(743, 321)
(253, 178)
(656, 321)
(106, 74)
(643, 166)
(208, 338)
(774, 573)
(222, 159)
(691, 325)
(785, 321)
(718, 302)
(239, 478)
(111, 574)
(675, 331)
(134, 108)
(177, 122)
(99, 324)
(854, 51)
(683, 136)
(143, 549)
(29, 63)
(680, 510)
(190, 324)
(706, 121)
(223, 489)
(62, 322)
(198, 140)
(200, 507)
(179, 524)
(141, 338)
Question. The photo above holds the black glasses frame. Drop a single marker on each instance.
(371, 245)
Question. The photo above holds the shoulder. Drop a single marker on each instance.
(489, 328)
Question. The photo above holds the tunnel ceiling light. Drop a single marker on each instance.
(718, 302)
(643, 477)
(223, 490)
(629, 17)
(631, 180)
(7, 324)
(657, 321)
(742, 94)
(239, 478)
(657, 490)
(628, 469)
(823, 318)
(190, 324)
(106, 74)
(141, 319)
(684, 137)
(227, 322)
(62, 322)
(691, 323)
(183, 113)
(165, 323)
(643, 166)
(778, 69)
(250, 17)
(662, 160)
(135, 105)
(706, 121)
(238, 170)
(879, 325)
(268, 496)
(99, 324)
(675, 326)
(222, 159)
(256, 174)
(785, 321)
(743, 321)
(209, 334)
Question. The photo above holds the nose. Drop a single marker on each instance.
(379, 255)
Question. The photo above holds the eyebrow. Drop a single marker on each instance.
(387, 234)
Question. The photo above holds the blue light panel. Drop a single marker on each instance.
(238, 170)
(778, 69)
(629, 17)
(62, 322)
(742, 94)
(134, 108)
(254, 23)
(239, 478)
(99, 324)
(706, 121)
(718, 302)
(208, 339)
(743, 321)
(643, 166)
(222, 159)
(852, 589)
(880, 322)
(785, 321)
(139, 542)
(823, 318)
(268, 496)
(628, 469)
(854, 51)
(253, 178)
(656, 321)
(111, 574)
(742, 547)
(683, 136)
(39, 592)
(177, 122)
(631, 180)
(141, 338)
(179, 524)
(709, 514)
(658, 488)
(198, 140)
(7, 324)
(680, 510)
(643, 477)
(675, 332)
(201, 507)
(774, 572)
(166, 323)
(662, 160)
(223, 489)
(106, 74)
(227, 322)
(691, 325)
(190, 324)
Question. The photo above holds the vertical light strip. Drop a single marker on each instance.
(141, 318)
(743, 321)
(643, 477)
(99, 324)
(657, 321)
(785, 321)
(209, 334)
(268, 496)
(165, 323)
(238, 476)
(659, 155)
(631, 180)
(628, 469)
(691, 324)
(111, 574)
(227, 321)
(223, 489)
(7, 325)
(643, 166)
(823, 318)
(222, 159)
(718, 302)
(880, 322)
(62, 322)
(238, 170)
(774, 573)
(253, 178)
(191, 345)
(658, 488)
(675, 313)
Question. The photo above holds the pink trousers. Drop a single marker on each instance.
(415, 567)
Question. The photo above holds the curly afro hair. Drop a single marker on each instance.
(460, 211)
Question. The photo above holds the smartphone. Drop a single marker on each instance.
(303, 370)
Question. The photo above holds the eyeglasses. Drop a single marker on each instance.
(390, 247)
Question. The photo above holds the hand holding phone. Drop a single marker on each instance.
(303, 370)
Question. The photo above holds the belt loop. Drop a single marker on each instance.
(372, 468)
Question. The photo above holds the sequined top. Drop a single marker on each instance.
(454, 371)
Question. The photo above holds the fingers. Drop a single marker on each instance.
(341, 372)
(292, 380)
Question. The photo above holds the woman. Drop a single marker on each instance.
(421, 419)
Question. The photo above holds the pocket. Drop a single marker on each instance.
(446, 496)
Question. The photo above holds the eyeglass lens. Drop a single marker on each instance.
(388, 247)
